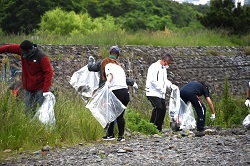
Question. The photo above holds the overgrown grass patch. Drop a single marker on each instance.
(200, 37)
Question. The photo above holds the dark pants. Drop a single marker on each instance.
(159, 111)
(31, 99)
(123, 96)
(199, 108)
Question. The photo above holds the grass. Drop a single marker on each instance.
(201, 37)
(74, 124)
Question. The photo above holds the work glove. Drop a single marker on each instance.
(174, 87)
(135, 85)
(212, 117)
(46, 94)
(91, 59)
(247, 103)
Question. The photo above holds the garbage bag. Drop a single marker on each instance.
(85, 81)
(246, 121)
(105, 106)
(181, 114)
(174, 104)
(186, 116)
(45, 113)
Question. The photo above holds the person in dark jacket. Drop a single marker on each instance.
(37, 73)
(96, 66)
(191, 92)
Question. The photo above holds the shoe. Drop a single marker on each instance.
(108, 138)
(121, 139)
(199, 134)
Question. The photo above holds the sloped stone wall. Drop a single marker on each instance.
(211, 64)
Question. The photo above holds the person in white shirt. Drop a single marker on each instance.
(116, 81)
(156, 85)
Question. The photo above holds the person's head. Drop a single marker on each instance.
(166, 60)
(207, 86)
(27, 48)
(114, 52)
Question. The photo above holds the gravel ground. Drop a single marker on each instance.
(223, 147)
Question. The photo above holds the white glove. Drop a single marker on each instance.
(174, 87)
(212, 117)
(247, 103)
(46, 94)
(91, 59)
(135, 85)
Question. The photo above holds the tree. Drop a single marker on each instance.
(23, 16)
(223, 14)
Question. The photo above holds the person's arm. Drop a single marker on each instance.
(152, 76)
(109, 77)
(210, 103)
(11, 48)
(48, 73)
(247, 102)
(94, 66)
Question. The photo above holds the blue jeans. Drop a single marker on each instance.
(31, 99)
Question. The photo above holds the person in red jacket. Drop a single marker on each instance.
(37, 73)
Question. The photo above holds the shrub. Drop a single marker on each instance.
(135, 122)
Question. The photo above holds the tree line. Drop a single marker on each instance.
(29, 16)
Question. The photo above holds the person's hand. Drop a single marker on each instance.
(107, 83)
(162, 91)
(212, 117)
(91, 59)
(247, 103)
(135, 85)
(46, 94)
(174, 87)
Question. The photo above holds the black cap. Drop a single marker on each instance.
(26, 45)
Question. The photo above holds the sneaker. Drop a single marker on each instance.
(108, 138)
(199, 134)
(121, 139)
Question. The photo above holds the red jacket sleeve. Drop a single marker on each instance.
(47, 73)
(11, 48)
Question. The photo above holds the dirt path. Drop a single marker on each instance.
(226, 147)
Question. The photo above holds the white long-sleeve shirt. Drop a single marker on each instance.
(119, 77)
(157, 81)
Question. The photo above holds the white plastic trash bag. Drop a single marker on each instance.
(85, 82)
(46, 112)
(174, 104)
(180, 113)
(105, 106)
(186, 116)
(246, 121)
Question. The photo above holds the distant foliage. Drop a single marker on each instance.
(18, 16)
(25, 16)
(223, 14)
(60, 22)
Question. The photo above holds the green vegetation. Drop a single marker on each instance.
(79, 17)
(75, 124)
(120, 37)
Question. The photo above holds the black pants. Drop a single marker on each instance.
(199, 108)
(123, 96)
(159, 111)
